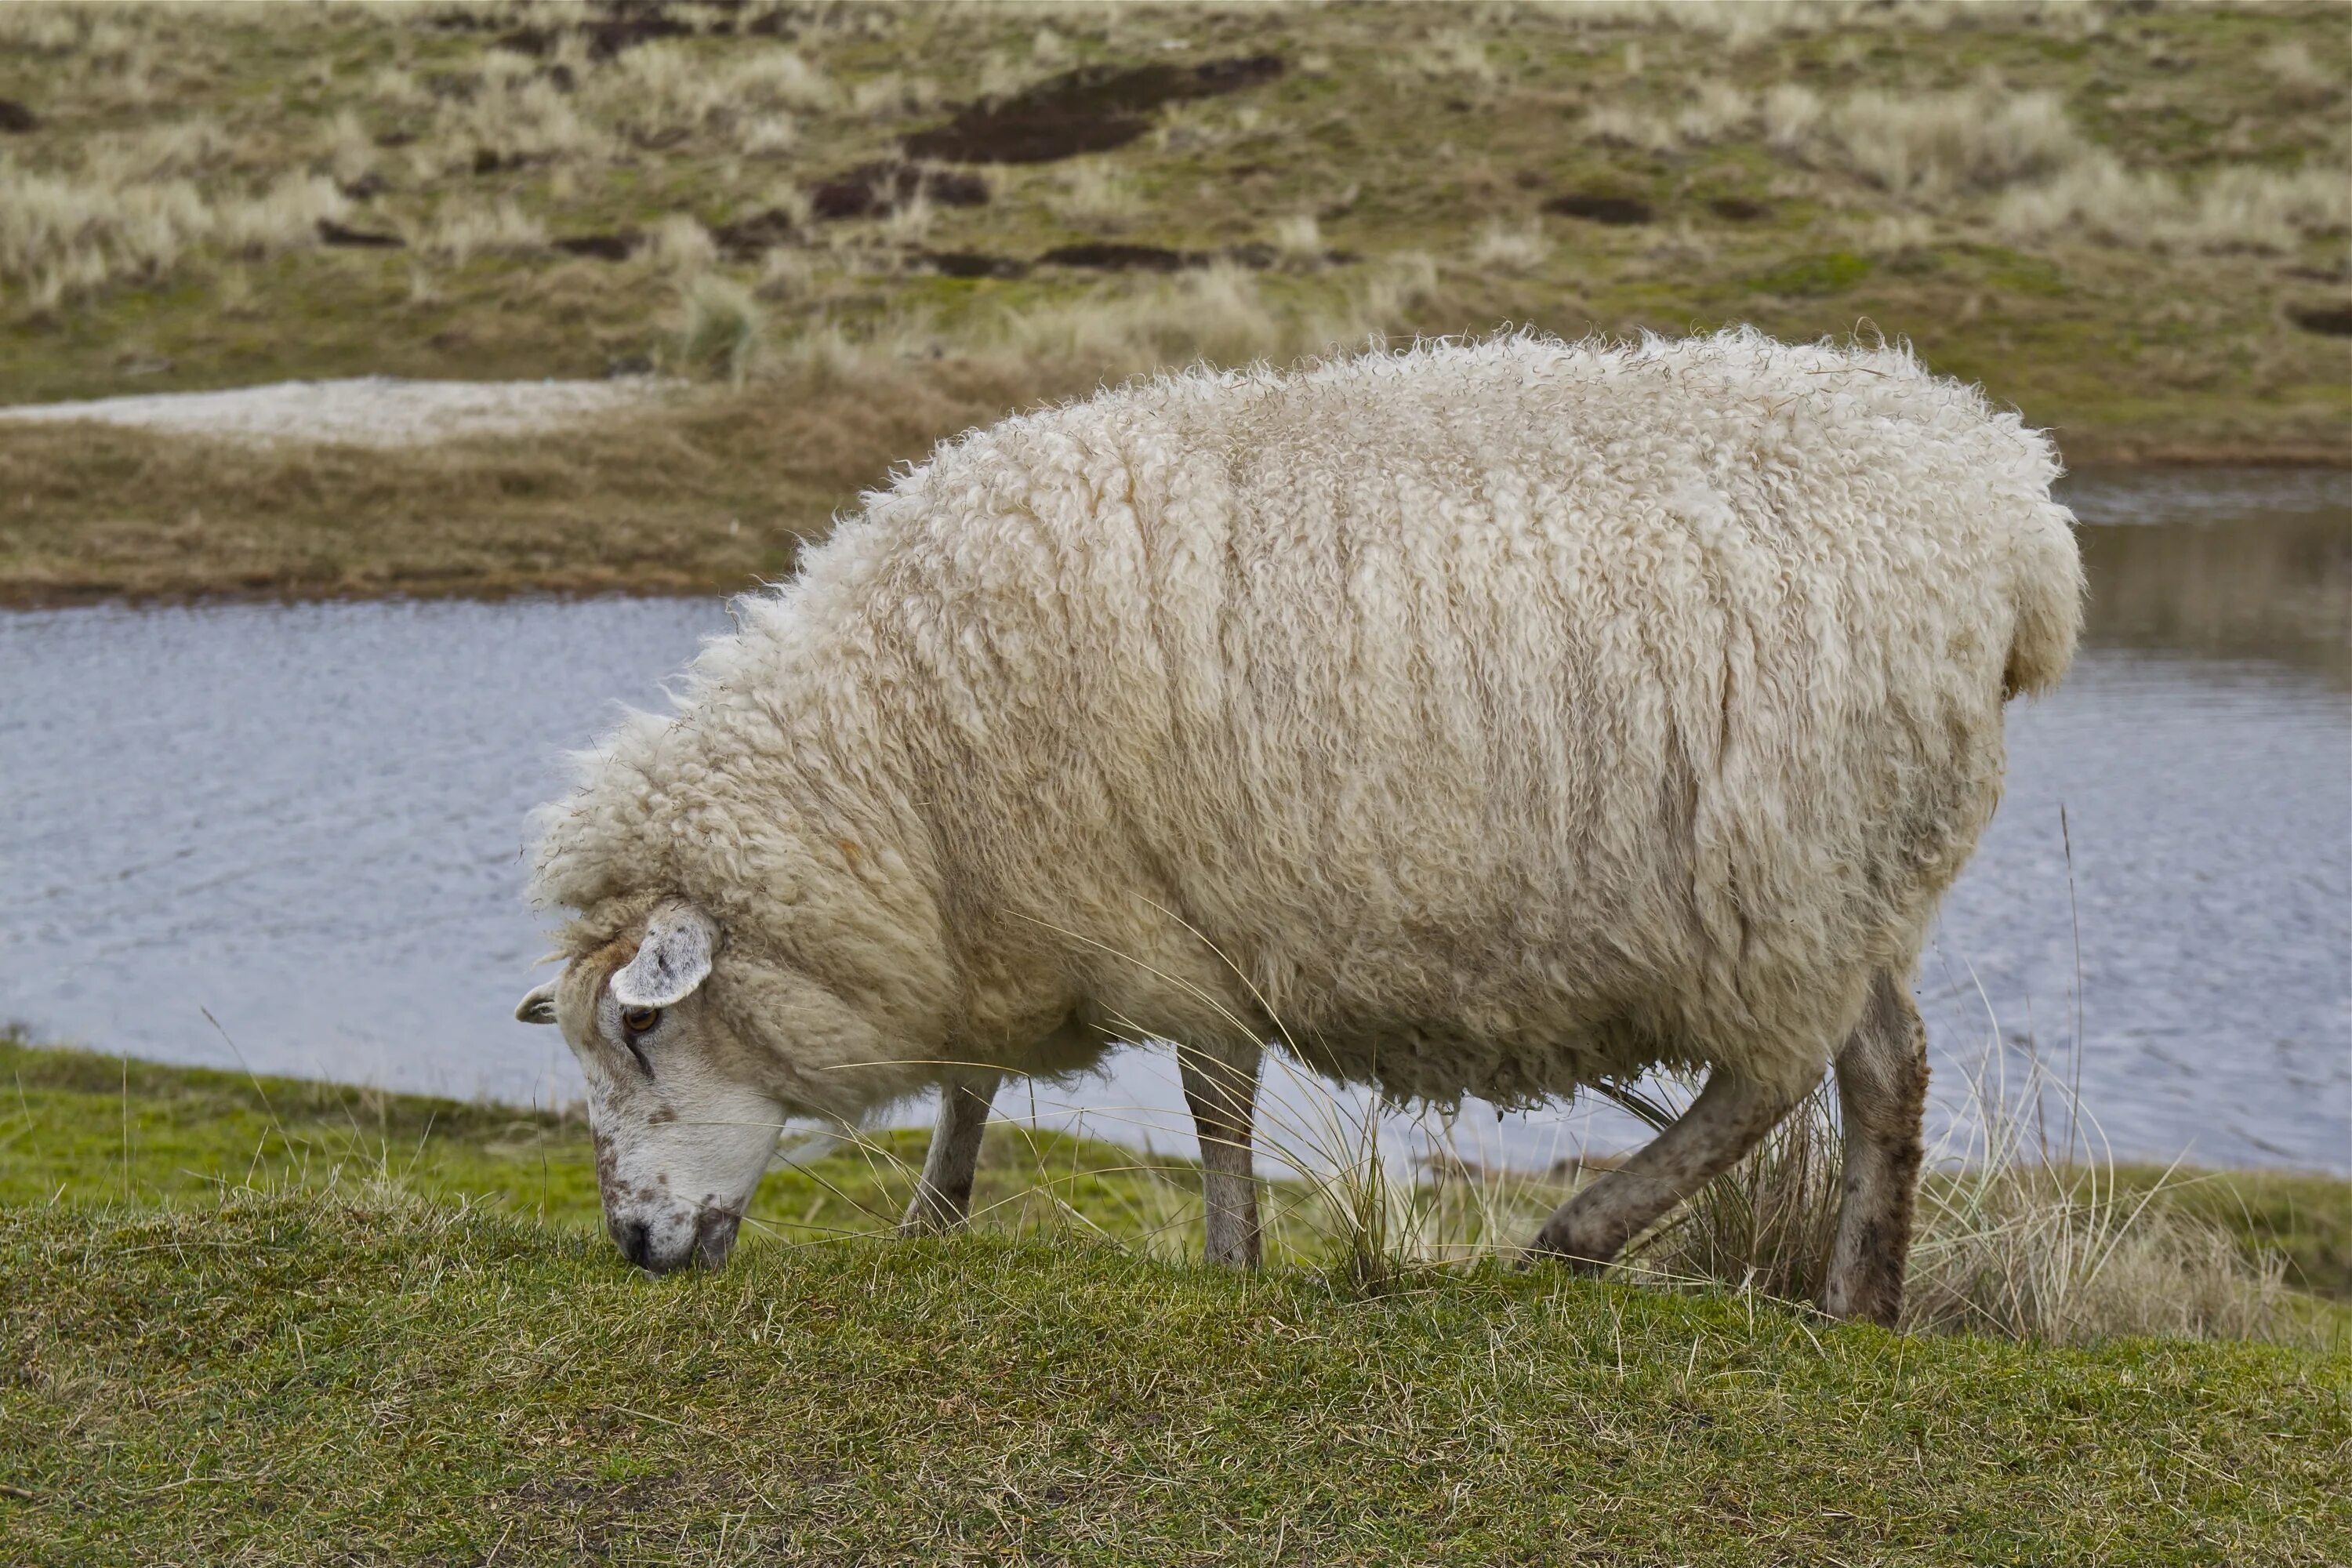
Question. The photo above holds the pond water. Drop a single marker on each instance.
(307, 821)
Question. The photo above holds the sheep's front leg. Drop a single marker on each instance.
(1882, 1079)
(942, 1198)
(1727, 1120)
(1221, 1088)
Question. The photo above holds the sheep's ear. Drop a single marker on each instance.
(674, 958)
(538, 1004)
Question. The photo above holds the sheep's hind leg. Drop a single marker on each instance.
(1727, 1120)
(1221, 1087)
(1882, 1079)
(942, 1199)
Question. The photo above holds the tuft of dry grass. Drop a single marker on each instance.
(1297, 239)
(462, 231)
(121, 218)
(1092, 195)
(721, 327)
(2017, 1240)
(2290, 64)
(679, 247)
(1510, 247)
(1929, 146)
(2236, 209)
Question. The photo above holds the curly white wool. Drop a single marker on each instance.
(1497, 717)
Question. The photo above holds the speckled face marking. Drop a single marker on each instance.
(680, 1144)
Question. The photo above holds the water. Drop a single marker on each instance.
(307, 820)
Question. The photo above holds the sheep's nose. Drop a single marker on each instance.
(635, 1241)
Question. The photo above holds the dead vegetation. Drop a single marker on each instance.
(2129, 221)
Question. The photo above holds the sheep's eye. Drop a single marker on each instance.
(637, 1020)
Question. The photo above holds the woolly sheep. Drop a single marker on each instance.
(1490, 719)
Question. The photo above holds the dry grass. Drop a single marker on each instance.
(721, 327)
(1510, 247)
(2096, 198)
(705, 495)
(2016, 1238)
(2091, 267)
(460, 232)
(1297, 239)
(1931, 146)
(120, 220)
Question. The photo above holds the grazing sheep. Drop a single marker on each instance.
(1500, 717)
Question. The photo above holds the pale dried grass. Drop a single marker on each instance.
(679, 247)
(1931, 146)
(2020, 1232)
(1092, 194)
(1297, 240)
(1510, 247)
(1737, 24)
(1791, 115)
(460, 231)
(2290, 64)
(721, 327)
(511, 119)
(767, 135)
(65, 235)
(2236, 209)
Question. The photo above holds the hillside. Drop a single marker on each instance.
(857, 229)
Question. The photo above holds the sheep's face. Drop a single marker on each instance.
(682, 1126)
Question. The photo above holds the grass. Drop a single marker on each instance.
(2114, 217)
(283, 1322)
(303, 1379)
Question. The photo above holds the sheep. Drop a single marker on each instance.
(1491, 718)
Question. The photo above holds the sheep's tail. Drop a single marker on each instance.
(2047, 586)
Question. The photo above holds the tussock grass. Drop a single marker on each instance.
(1510, 247)
(458, 234)
(721, 327)
(1935, 144)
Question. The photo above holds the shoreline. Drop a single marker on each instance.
(572, 1113)
(569, 514)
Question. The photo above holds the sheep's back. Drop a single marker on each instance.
(1508, 714)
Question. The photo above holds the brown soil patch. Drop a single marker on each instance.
(15, 118)
(1092, 110)
(875, 190)
(1105, 256)
(972, 264)
(1601, 206)
(746, 238)
(606, 38)
(1110, 255)
(1740, 209)
(614, 246)
(333, 232)
(2330, 321)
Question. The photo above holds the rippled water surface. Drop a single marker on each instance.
(307, 821)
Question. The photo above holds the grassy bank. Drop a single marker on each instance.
(2128, 221)
(89, 1130)
(291, 1322)
(299, 1379)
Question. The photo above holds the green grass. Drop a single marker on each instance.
(273, 1321)
(83, 1130)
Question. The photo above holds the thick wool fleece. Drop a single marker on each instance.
(1486, 717)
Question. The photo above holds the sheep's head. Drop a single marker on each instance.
(682, 1109)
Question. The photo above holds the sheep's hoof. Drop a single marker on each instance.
(1558, 1243)
(1865, 1301)
(928, 1222)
